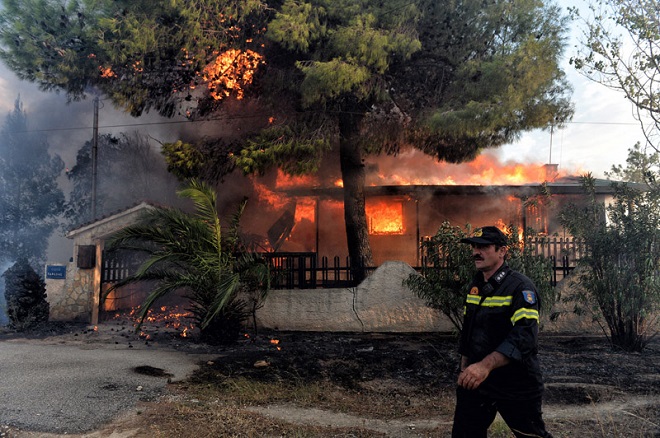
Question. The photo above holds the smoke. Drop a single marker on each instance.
(68, 126)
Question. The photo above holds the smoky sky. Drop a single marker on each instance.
(68, 126)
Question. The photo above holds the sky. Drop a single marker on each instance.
(599, 136)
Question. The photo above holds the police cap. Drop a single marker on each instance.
(487, 236)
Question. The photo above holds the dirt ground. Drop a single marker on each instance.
(393, 385)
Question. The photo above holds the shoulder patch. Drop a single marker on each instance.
(474, 291)
(529, 296)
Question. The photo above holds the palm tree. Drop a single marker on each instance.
(192, 253)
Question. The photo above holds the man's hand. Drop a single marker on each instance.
(474, 375)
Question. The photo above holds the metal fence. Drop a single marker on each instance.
(304, 270)
(563, 252)
(300, 270)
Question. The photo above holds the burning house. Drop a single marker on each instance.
(299, 224)
(307, 215)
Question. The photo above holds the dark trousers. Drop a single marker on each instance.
(475, 412)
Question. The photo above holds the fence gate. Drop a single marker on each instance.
(117, 265)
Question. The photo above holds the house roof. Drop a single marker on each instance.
(571, 185)
(112, 217)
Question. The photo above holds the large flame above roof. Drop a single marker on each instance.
(415, 168)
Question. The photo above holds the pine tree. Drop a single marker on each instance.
(360, 77)
(25, 293)
(30, 199)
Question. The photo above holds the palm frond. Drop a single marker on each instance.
(227, 289)
(232, 234)
(189, 252)
(204, 198)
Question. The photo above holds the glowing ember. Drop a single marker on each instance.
(385, 217)
(107, 72)
(168, 317)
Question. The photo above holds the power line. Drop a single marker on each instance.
(218, 119)
(129, 125)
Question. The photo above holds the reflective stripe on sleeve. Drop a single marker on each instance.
(524, 313)
(490, 301)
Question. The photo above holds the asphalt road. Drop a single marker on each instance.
(61, 387)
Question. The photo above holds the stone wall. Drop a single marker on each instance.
(70, 299)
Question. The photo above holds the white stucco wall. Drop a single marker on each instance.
(380, 304)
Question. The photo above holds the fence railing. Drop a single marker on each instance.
(300, 270)
(563, 252)
(304, 270)
(117, 265)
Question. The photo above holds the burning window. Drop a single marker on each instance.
(385, 216)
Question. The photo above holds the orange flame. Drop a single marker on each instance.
(230, 72)
(276, 201)
(305, 209)
(508, 230)
(385, 217)
(288, 181)
(415, 168)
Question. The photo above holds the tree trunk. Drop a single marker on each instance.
(355, 215)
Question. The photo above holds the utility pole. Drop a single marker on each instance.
(95, 150)
(552, 131)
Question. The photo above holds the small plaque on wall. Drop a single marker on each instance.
(86, 256)
(57, 272)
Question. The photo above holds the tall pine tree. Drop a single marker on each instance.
(360, 76)
(30, 199)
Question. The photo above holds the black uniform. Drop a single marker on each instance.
(502, 315)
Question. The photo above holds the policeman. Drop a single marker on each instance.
(499, 366)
